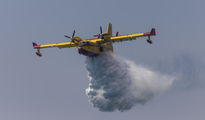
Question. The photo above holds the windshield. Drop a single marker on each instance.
(83, 44)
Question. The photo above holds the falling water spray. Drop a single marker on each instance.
(119, 84)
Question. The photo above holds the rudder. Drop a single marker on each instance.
(109, 29)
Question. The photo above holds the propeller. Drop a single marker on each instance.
(73, 34)
(100, 29)
(100, 32)
(69, 36)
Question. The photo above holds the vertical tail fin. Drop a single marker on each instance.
(109, 29)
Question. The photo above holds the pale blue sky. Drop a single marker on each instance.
(53, 87)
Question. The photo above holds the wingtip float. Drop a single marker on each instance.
(96, 46)
(35, 46)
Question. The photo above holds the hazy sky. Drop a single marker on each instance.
(53, 87)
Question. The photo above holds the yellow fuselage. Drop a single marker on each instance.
(93, 48)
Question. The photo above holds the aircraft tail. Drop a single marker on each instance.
(109, 29)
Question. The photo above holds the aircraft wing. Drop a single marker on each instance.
(133, 36)
(59, 45)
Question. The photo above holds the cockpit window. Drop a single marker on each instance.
(84, 43)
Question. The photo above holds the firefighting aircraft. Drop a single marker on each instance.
(93, 47)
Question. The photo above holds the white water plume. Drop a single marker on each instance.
(119, 84)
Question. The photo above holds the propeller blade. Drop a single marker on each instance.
(95, 35)
(100, 29)
(73, 34)
(67, 36)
